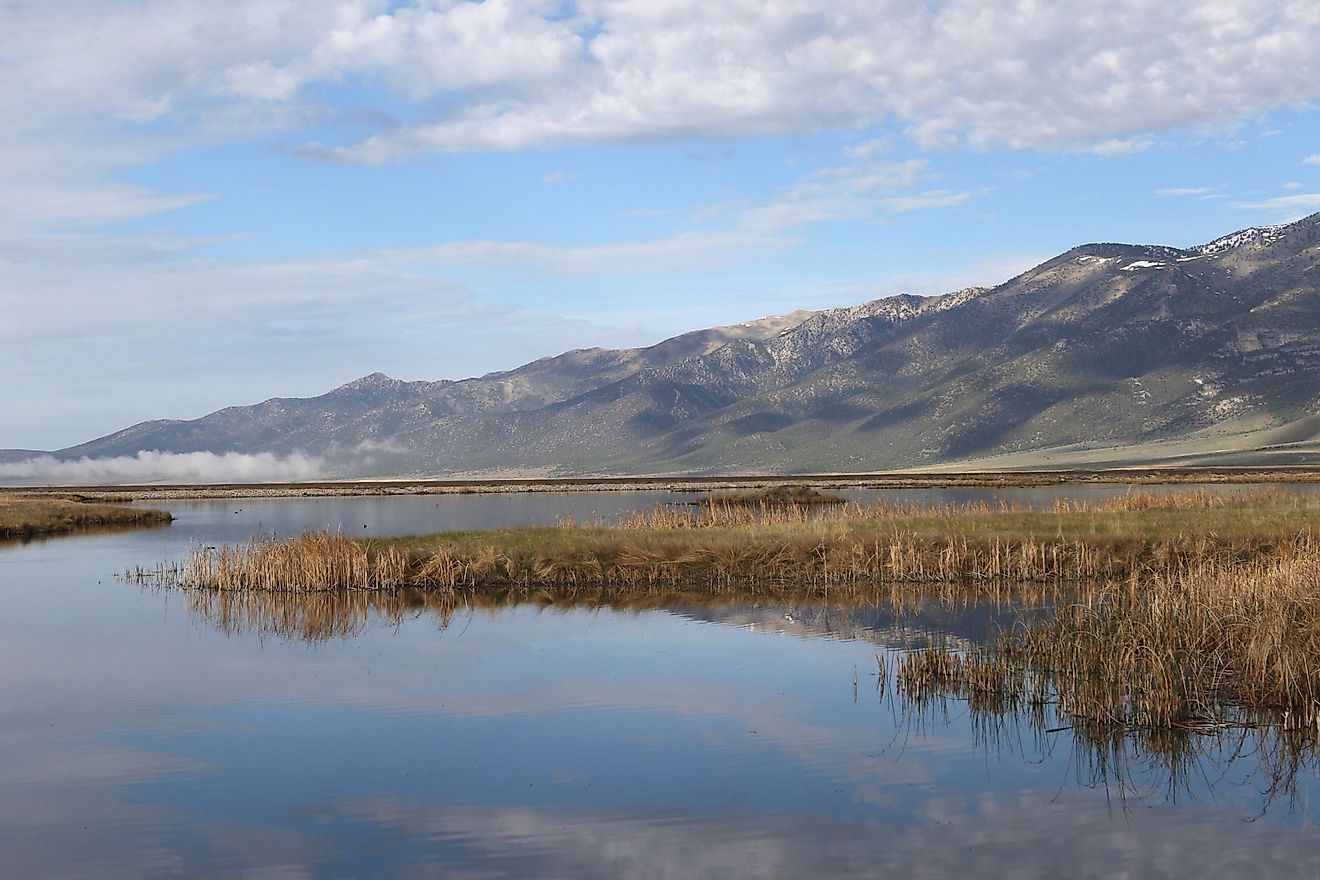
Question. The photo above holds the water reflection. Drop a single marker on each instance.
(1260, 755)
(1257, 753)
(911, 619)
(14, 541)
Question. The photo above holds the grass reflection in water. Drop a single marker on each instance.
(1034, 689)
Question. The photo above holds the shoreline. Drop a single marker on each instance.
(679, 484)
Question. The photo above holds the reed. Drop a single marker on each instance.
(743, 547)
(317, 561)
(1009, 709)
(1198, 648)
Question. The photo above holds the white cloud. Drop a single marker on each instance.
(1287, 208)
(1312, 160)
(561, 176)
(1291, 186)
(935, 198)
(154, 466)
(510, 74)
(1183, 191)
(678, 252)
(981, 72)
(857, 190)
(869, 148)
(1117, 146)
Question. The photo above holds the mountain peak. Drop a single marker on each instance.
(373, 384)
(372, 380)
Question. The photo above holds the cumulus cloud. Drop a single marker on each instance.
(151, 466)
(509, 74)
(978, 72)
(1312, 160)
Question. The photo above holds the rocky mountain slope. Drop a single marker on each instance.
(1107, 352)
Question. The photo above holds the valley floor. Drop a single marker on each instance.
(887, 480)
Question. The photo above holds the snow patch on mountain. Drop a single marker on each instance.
(1261, 234)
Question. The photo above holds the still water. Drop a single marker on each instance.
(144, 735)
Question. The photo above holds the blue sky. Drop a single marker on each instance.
(214, 204)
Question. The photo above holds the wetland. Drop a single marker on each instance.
(795, 725)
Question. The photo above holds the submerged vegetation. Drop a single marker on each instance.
(35, 516)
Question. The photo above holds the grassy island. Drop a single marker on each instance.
(737, 546)
(773, 496)
(35, 516)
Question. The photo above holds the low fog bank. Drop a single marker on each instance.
(166, 467)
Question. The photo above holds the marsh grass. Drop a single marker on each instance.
(772, 496)
(1160, 657)
(316, 561)
(29, 517)
(747, 547)
(1009, 712)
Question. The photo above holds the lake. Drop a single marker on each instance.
(147, 734)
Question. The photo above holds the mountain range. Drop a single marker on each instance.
(1107, 354)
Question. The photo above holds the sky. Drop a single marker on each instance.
(212, 204)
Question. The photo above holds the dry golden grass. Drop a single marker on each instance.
(740, 546)
(773, 496)
(30, 517)
(1210, 645)
(316, 561)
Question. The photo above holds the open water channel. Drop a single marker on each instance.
(143, 735)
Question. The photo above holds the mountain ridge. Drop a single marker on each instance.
(1109, 345)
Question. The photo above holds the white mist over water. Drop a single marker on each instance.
(152, 466)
